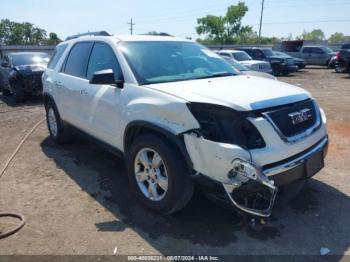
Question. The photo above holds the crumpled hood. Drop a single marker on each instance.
(240, 92)
(30, 69)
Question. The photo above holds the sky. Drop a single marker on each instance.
(177, 17)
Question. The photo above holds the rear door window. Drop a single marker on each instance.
(77, 60)
(317, 50)
(307, 50)
(56, 56)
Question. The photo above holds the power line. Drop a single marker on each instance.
(310, 21)
(308, 5)
(261, 16)
(131, 26)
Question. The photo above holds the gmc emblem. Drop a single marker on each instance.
(301, 116)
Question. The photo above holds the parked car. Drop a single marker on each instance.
(300, 63)
(343, 61)
(246, 60)
(314, 55)
(333, 61)
(280, 65)
(21, 74)
(245, 70)
(179, 115)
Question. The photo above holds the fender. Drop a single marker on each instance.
(47, 97)
(175, 139)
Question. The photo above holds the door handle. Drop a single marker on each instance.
(83, 92)
(58, 83)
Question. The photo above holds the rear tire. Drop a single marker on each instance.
(162, 184)
(59, 132)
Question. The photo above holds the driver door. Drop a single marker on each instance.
(102, 102)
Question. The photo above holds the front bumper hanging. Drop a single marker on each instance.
(256, 194)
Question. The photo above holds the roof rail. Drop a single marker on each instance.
(157, 34)
(98, 33)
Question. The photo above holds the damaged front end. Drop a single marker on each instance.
(220, 150)
(255, 194)
(244, 184)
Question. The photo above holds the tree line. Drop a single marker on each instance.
(13, 33)
(228, 29)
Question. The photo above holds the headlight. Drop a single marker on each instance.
(225, 125)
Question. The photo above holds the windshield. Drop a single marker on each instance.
(235, 64)
(327, 49)
(282, 54)
(30, 59)
(159, 62)
(267, 52)
(241, 56)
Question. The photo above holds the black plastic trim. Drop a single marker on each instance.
(176, 139)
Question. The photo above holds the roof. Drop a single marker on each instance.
(133, 38)
(232, 51)
(26, 53)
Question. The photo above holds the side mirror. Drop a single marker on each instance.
(106, 77)
(5, 64)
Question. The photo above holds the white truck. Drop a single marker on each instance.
(180, 115)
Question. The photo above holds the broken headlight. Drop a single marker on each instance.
(225, 125)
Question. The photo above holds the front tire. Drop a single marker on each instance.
(158, 174)
(59, 133)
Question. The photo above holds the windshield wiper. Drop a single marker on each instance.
(221, 74)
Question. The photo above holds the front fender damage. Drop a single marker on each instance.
(247, 188)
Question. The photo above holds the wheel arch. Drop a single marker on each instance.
(135, 128)
(46, 98)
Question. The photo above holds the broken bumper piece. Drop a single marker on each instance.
(246, 186)
(256, 194)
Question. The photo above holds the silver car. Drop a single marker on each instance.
(245, 71)
(243, 58)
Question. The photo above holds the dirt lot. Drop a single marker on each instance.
(76, 198)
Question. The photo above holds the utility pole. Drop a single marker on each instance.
(131, 26)
(261, 17)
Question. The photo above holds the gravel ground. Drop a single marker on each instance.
(76, 198)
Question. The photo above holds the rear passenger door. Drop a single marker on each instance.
(319, 57)
(307, 55)
(71, 83)
(102, 102)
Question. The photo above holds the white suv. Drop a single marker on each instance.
(180, 115)
(243, 58)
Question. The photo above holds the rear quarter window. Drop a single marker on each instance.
(59, 50)
(77, 60)
(307, 50)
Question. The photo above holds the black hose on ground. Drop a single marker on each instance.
(11, 214)
(14, 230)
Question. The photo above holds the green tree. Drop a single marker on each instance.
(53, 39)
(13, 33)
(337, 37)
(212, 26)
(314, 35)
(226, 28)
